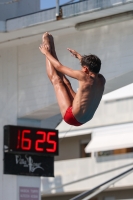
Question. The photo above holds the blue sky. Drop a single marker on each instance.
(50, 3)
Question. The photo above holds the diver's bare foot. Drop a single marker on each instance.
(46, 40)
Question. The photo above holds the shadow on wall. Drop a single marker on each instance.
(48, 185)
(51, 122)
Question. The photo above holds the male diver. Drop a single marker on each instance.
(76, 108)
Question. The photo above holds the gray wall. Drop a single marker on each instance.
(61, 197)
(119, 194)
(69, 148)
(109, 113)
(113, 112)
(22, 7)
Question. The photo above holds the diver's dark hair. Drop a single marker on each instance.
(92, 62)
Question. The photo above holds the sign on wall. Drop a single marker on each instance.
(29, 151)
(31, 140)
(30, 165)
(28, 193)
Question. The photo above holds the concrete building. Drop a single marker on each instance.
(12, 9)
(27, 97)
(108, 141)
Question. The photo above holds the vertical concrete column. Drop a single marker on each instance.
(8, 113)
(57, 8)
(10, 184)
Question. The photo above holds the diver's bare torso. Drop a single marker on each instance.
(88, 97)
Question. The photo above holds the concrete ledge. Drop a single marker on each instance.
(104, 21)
(94, 5)
(2, 26)
(31, 20)
(95, 9)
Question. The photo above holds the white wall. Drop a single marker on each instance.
(26, 90)
(113, 44)
(35, 90)
(8, 115)
(88, 173)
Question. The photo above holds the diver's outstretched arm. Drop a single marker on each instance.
(75, 53)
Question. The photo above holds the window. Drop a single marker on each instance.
(109, 198)
(115, 152)
(83, 144)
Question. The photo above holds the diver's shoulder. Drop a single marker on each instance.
(102, 78)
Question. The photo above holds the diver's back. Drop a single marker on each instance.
(88, 98)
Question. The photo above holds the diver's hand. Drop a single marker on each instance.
(44, 49)
(75, 53)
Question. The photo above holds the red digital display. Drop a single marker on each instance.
(32, 140)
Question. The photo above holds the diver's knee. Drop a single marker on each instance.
(56, 80)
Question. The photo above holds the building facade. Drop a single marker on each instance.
(27, 96)
(96, 152)
(12, 9)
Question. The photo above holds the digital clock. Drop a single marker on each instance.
(30, 140)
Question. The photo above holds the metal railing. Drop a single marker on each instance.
(65, 11)
(90, 6)
(91, 193)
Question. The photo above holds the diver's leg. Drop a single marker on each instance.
(62, 95)
(66, 81)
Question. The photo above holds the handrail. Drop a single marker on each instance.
(87, 194)
(88, 177)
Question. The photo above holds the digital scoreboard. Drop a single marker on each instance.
(29, 151)
(30, 140)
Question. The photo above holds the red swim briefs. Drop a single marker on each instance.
(70, 119)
